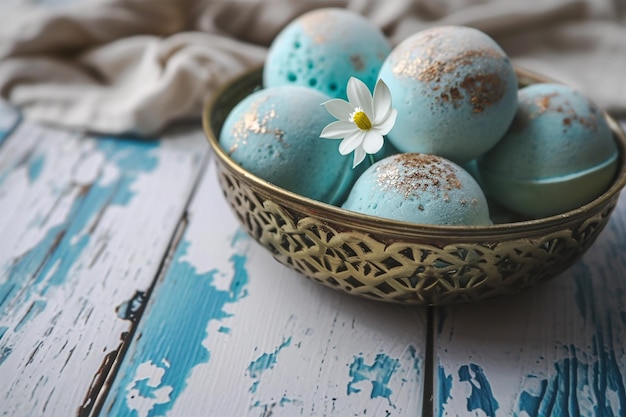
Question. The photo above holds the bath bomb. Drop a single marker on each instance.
(455, 90)
(558, 154)
(419, 188)
(323, 48)
(274, 134)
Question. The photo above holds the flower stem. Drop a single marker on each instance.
(372, 160)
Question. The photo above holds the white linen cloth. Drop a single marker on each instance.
(134, 66)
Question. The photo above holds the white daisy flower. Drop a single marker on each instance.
(363, 120)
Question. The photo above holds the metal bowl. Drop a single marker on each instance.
(401, 262)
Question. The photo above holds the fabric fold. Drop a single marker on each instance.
(135, 66)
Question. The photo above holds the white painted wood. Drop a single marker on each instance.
(9, 117)
(230, 332)
(556, 350)
(85, 225)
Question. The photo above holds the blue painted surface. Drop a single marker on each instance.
(263, 363)
(481, 396)
(531, 403)
(49, 262)
(444, 387)
(268, 407)
(5, 351)
(63, 244)
(378, 374)
(35, 166)
(131, 309)
(580, 385)
(588, 380)
(184, 305)
(11, 118)
(34, 309)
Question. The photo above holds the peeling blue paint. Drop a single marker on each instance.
(412, 352)
(269, 406)
(4, 353)
(240, 235)
(53, 257)
(185, 303)
(481, 396)
(588, 380)
(129, 310)
(26, 266)
(35, 166)
(224, 329)
(379, 374)
(237, 288)
(10, 119)
(263, 363)
(34, 309)
(607, 376)
(531, 403)
(598, 376)
(444, 388)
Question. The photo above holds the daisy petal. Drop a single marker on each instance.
(338, 130)
(382, 101)
(351, 142)
(372, 142)
(387, 124)
(359, 156)
(359, 96)
(338, 108)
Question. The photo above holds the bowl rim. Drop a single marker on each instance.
(334, 214)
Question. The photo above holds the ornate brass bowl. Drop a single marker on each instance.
(402, 262)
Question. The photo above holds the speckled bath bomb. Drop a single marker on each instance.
(322, 49)
(274, 134)
(419, 188)
(558, 154)
(455, 90)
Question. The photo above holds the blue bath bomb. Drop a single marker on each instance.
(558, 154)
(419, 188)
(274, 134)
(455, 90)
(323, 48)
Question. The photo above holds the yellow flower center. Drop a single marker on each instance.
(361, 120)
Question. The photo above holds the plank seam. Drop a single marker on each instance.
(99, 389)
(429, 357)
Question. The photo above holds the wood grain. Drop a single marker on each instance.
(231, 332)
(555, 350)
(85, 224)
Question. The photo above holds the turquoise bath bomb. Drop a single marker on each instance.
(419, 188)
(558, 154)
(323, 48)
(274, 134)
(455, 90)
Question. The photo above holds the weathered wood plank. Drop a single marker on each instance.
(85, 224)
(230, 332)
(556, 350)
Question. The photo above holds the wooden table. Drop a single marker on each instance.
(128, 289)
